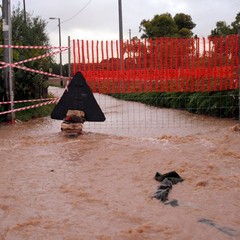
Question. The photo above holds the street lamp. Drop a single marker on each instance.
(60, 45)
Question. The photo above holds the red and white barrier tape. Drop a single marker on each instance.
(31, 100)
(35, 58)
(29, 107)
(35, 71)
(31, 47)
(16, 65)
(30, 59)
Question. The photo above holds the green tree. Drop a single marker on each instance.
(185, 24)
(160, 26)
(222, 29)
(29, 33)
(184, 21)
(159, 49)
(236, 24)
(222, 48)
(164, 25)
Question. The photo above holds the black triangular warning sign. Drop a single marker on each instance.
(78, 96)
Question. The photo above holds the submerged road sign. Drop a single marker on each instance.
(78, 96)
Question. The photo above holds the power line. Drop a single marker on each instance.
(52, 29)
(83, 8)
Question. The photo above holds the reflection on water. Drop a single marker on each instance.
(99, 185)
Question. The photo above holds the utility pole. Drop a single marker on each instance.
(7, 54)
(130, 35)
(60, 56)
(60, 45)
(24, 11)
(120, 32)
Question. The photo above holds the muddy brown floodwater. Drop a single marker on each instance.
(100, 185)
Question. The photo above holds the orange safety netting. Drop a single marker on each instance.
(158, 65)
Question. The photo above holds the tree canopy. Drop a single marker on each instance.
(222, 29)
(164, 25)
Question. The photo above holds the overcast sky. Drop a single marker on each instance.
(98, 19)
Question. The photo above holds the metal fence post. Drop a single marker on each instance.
(69, 58)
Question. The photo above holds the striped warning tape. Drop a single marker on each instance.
(30, 59)
(16, 65)
(32, 47)
(39, 72)
(35, 58)
(30, 100)
(29, 107)
(33, 70)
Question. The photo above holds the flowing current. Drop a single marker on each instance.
(100, 184)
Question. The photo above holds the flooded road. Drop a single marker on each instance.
(100, 185)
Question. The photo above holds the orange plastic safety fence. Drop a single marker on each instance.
(158, 65)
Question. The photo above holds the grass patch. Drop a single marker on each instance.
(222, 104)
(28, 114)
